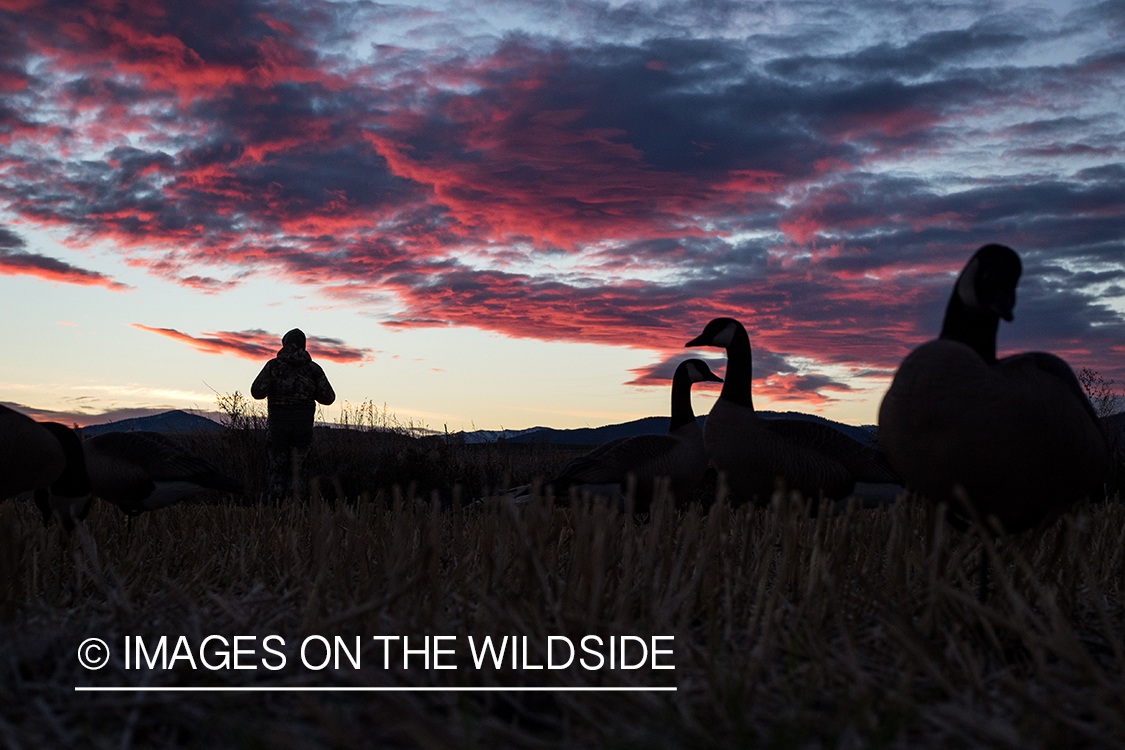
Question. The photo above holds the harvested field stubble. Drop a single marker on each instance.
(344, 463)
(854, 630)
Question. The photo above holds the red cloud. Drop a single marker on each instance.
(507, 167)
(52, 269)
(258, 344)
(149, 41)
(839, 321)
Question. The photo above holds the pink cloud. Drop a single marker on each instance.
(261, 345)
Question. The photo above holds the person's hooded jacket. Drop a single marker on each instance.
(293, 384)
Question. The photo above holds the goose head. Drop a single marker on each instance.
(984, 294)
(688, 372)
(987, 285)
(719, 332)
(698, 372)
(731, 335)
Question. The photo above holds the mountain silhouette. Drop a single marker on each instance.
(169, 421)
(645, 426)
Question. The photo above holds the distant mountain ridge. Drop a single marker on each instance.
(182, 421)
(169, 421)
(646, 426)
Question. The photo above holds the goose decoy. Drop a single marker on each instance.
(759, 455)
(1015, 437)
(678, 456)
(139, 471)
(30, 455)
(45, 457)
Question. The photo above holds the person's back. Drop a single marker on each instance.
(292, 384)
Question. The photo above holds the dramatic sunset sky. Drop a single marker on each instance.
(506, 214)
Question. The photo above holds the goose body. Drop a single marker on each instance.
(679, 456)
(1016, 435)
(757, 455)
(30, 454)
(140, 471)
(45, 457)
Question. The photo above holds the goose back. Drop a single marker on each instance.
(759, 456)
(679, 456)
(139, 471)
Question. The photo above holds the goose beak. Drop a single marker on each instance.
(1004, 304)
(697, 341)
(713, 378)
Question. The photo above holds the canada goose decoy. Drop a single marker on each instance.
(45, 457)
(1016, 437)
(679, 456)
(30, 455)
(755, 453)
(139, 471)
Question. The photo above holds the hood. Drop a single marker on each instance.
(292, 351)
(295, 338)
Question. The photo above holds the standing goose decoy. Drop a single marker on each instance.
(139, 471)
(45, 457)
(679, 456)
(1016, 437)
(755, 453)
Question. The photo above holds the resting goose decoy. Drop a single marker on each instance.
(45, 457)
(30, 455)
(679, 456)
(755, 453)
(139, 471)
(1017, 436)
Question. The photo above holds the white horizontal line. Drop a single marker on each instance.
(78, 689)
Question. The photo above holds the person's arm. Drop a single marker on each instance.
(324, 392)
(261, 386)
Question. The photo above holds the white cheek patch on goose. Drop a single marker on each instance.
(725, 336)
(966, 285)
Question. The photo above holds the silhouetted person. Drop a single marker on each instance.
(292, 383)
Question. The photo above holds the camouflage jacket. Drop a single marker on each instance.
(292, 383)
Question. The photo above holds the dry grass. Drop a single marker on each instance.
(855, 630)
(346, 462)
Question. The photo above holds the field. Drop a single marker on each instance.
(861, 629)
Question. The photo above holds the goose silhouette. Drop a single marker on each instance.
(757, 456)
(1015, 437)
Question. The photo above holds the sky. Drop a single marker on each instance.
(495, 215)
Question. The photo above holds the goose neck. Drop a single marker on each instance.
(682, 412)
(740, 371)
(975, 328)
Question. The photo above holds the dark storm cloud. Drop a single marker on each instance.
(621, 180)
